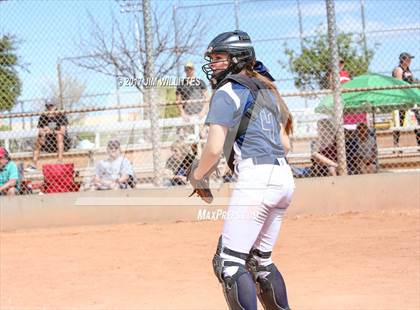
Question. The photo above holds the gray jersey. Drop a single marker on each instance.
(262, 137)
(110, 170)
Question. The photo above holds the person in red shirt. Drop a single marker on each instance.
(344, 75)
(350, 118)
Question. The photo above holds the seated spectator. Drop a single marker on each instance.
(178, 163)
(52, 134)
(115, 172)
(9, 176)
(366, 153)
(323, 153)
(321, 164)
(324, 160)
(351, 150)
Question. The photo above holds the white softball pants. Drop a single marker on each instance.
(257, 206)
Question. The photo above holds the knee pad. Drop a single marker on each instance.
(238, 286)
(271, 289)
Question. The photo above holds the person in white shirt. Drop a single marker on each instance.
(116, 171)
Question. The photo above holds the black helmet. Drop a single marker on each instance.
(237, 44)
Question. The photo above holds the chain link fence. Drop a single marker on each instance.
(88, 105)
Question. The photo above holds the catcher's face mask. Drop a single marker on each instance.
(216, 66)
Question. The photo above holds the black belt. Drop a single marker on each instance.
(267, 160)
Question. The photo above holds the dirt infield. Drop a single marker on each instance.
(348, 261)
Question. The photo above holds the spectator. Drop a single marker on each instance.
(191, 95)
(351, 150)
(417, 130)
(366, 152)
(323, 153)
(344, 75)
(321, 165)
(52, 134)
(350, 118)
(9, 175)
(178, 163)
(116, 171)
(403, 72)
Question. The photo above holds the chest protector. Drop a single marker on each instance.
(260, 99)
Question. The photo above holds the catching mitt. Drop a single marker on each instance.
(201, 186)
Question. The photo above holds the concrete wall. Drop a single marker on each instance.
(392, 191)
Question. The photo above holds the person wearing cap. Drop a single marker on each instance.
(403, 72)
(52, 134)
(9, 175)
(114, 172)
(191, 95)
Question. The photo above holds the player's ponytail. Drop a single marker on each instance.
(286, 116)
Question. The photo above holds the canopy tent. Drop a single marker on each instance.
(373, 100)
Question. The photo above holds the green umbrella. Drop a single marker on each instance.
(366, 101)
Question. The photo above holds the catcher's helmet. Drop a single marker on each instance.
(237, 44)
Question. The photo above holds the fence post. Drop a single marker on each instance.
(117, 92)
(362, 13)
(150, 92)
(301, 41)
(236, 3)
(338, 106)
(176, 35)
(60, 85)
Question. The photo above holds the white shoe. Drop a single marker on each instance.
(31, 168)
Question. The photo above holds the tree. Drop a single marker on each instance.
(10, 84)
(120, 50)
(313, 65)
(72, 91)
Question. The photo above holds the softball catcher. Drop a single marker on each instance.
(251, 124)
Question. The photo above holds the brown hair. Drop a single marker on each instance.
(286, 116)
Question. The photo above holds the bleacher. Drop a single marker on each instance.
(408, 155)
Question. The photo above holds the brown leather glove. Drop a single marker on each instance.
(201, 186)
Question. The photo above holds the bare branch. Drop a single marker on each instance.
(120, 49)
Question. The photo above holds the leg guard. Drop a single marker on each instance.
(238, 288)
(271, 288)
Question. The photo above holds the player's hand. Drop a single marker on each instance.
(201, 186)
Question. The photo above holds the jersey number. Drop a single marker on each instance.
(267, 124)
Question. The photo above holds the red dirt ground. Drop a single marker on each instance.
(366, 261)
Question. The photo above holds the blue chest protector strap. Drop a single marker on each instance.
(261, 99)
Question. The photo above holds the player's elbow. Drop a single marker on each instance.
(214, 150)
(285, 141)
